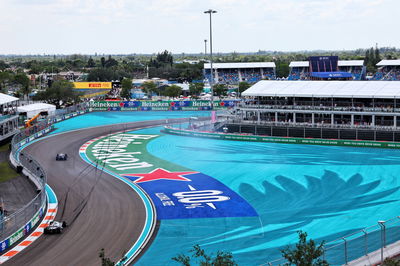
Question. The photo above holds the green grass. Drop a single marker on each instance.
(6, 172)
(4, 147)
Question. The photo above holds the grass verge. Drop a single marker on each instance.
(6, 172)
(4, 147)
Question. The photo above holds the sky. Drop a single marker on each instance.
(180, 26)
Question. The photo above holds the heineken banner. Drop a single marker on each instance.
(159, 105)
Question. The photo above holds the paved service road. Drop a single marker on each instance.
(102, 211)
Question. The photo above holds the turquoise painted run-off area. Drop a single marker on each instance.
(327, 191)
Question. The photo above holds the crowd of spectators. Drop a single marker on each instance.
(387, 74)
(251, 75)
(228, 76)
(234, 76)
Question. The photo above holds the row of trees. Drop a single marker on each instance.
(195, 89)
(16, 80)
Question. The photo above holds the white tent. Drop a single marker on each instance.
(4, 98)
(33, 109)
(325, 89)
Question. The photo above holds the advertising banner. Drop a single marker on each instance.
(92, 85)
(177, 192)
(159, 105)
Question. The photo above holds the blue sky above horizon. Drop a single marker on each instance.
(150, 26)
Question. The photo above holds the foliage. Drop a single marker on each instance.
(150, 87)
(196, 88)
(102, 74)
(372, 57)
(5, 79)
(107, 261)
(220, 90)
(126, 88)
(305, 253)
(391, 262)
(60, 92)
(22, 80)
(243, 86)
(173, 91)
(221, 259)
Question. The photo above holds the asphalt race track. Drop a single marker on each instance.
(101, 211)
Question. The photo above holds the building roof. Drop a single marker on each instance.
(299, 64)
(240, 65)
(322, 89)
(340, 63)
(389, 63)
(36, 106)
(4, 98)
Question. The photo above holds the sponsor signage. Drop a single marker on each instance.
(92, 85)
(338, 142)
(159, 105)
(177, 192)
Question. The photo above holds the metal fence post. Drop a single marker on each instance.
(383, 237)
(365, 242)
(345, 250)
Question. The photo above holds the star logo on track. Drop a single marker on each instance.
(160, 174)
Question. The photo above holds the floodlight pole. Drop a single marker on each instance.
(210, 11)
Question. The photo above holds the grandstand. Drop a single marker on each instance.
(388, 70)
(233, 73)
(300, 70)
(8, 116)
(364, 110)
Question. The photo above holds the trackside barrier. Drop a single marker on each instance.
(15, 226)
(342, 250)
(287, 140)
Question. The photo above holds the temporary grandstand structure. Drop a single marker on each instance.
(326, 89)
(31, 110)
(370, 103)
(233, 73)
(388, 70)
(8, 116)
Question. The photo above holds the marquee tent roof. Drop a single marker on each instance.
(4, 98)
(325, 89)
(389, 63)
(240, 65)
(36, 107)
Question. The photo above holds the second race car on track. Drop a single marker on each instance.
(55, 227)
(61, 157)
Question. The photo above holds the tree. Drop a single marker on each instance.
(149, 87)
(220, 89)
(90, 62)
(391, 262)
(103, 61)
(305, 253)
(5, 79)
(126, 88)
(221, 259)
(243, 86)
(107, 261)
(60, 92)
(196, 88)
(23, 80)
(173, 91)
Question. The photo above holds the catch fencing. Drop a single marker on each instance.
(358, 244)
(18, 224)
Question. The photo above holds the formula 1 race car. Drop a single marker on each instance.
(61, 157)
(55, 227)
